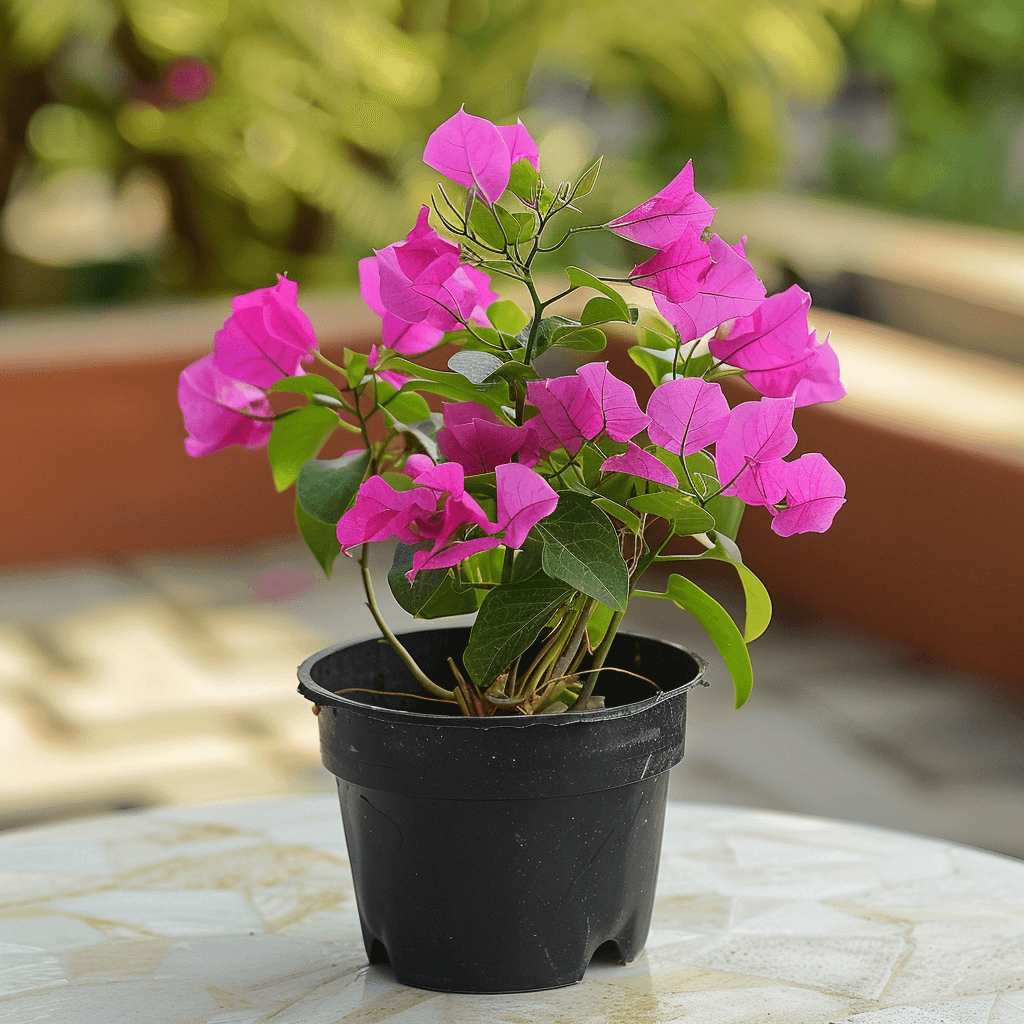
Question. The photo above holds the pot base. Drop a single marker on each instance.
(432, 865)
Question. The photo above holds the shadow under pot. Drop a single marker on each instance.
(500, 854)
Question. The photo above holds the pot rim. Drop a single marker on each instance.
(323, 697)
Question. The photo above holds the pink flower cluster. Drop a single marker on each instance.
(438, 508)
(700, 286)
(420, 289)
(684, 416)
(266, 338)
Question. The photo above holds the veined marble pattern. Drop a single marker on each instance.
(243, 914)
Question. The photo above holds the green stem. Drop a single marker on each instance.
(371, 602)
(327, 362)
(575, 639)
(599, 657)
(538, 309)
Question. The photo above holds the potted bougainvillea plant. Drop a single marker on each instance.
(503, 786)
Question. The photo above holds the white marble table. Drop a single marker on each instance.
(243, 913)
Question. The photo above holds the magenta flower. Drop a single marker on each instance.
(405, 338)
(730, 289)
(473, 437)
(381, 512)
(519, 144)
(578, 408)
(568, 413)
(439, 508)
(814, 494)
(420, 280)
(758, 433)
(634, 461)
(214, 406)
(188, 79)
(660, 220)
(687, 414)
(821, 382)
(416, 464)
(471, 151)
(266, 338)
(524, 498)
(678, 270)
(616, 400)
(773, 344)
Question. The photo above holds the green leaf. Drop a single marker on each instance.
(453, 386)
(583, 339)
(545, 200)
(326, 487)
(698, 366)
(483, 223)
(425, 433)
(598, 623)
(510, 619)
(432, 594)
(308, 384)
(528, 560)
(587, 180)
(519, 227)
(686, 515)
(656, 333)
(506, 316)
(402, 406)
(728, 511)
(513, 371)
(620, 512)
(581, 279)
(321, 538)
(521, 181)
(600, 310)
(758, 601)
(545, 332)
(722, 372)
(581, 548)
(652, 363)
(476, 366)
(355, 366)
(296, 437)
(720, 628)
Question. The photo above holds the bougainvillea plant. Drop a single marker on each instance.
(537, 502)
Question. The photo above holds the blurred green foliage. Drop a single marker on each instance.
(946, 81)
(287, 134)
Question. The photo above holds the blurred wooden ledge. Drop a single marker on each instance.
(953, 283)
(928, 550)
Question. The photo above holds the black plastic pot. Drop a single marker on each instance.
(498, 854)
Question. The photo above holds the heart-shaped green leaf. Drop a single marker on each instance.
(582, 549)
(327, 487)
(321, 538)
(476, 366)
(510, 619)
(505, 315)
(296, 437)
(581, 279)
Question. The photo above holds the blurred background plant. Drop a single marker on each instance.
(154, 146)
(930, 118)
(182, 146)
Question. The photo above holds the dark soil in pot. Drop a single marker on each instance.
(499, 854)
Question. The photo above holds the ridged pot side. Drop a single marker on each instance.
(497, 854)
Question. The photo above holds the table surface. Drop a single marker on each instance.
(243, 913)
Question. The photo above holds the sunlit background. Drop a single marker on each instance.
(158, 156)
